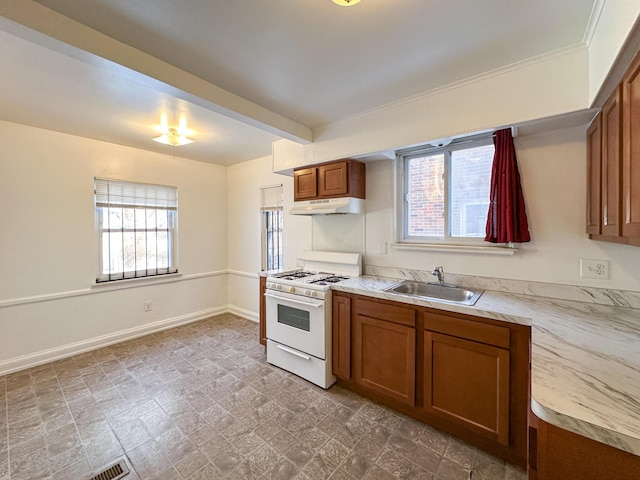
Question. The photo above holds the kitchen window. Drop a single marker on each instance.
(137, 229)
(444, 192)
(272, 219)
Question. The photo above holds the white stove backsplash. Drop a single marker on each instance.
(338, 233)
(600, 296)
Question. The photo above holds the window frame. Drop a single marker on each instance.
(265, 225)
(271, 204)
(401, 192)
(171, 230)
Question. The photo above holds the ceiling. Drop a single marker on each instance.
(311, 62)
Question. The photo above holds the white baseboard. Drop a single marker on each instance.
(244, 313)
(45, 356)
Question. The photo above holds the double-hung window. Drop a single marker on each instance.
(137, 228)
(444, 192)
(272, 217)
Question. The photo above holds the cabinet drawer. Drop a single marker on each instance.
(384, 311)
(468, 329)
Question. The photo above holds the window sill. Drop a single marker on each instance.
(137, 282)
(479, 249)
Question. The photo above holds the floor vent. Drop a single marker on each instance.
(114, 472)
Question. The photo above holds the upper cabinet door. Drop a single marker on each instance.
(611, 161)
(333, 179)
(342, 178)
(594, 159)
(631, 152)
(305, 184)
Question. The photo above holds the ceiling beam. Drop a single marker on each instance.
(62, 34)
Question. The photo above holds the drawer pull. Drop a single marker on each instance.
(293, 352)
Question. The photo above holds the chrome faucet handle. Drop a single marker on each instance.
(438, 272)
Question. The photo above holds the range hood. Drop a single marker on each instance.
(328, 206)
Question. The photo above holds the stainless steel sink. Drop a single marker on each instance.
(435, 291)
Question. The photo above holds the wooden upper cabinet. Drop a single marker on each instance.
(617, 194)
(344, 178)
(334, 180)
(611, 160)
(305, 184)
(467, 370)
(594, 156)
(631, 153)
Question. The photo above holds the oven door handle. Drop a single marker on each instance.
(293, 352)
(287, 299)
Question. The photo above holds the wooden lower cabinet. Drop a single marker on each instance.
(341, 333)
(263, 311)
(467, 383)
(564, 455)
(384, 349)
(467, 376)
(385, 358)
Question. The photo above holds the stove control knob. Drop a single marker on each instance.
(278, 287)
(314, 294)
(308, 293)
(292, 289)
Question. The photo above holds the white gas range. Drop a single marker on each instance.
(298, 314)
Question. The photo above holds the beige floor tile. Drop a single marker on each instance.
(200, 402)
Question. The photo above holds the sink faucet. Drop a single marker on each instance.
(439, 272)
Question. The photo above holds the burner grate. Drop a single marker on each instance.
(329, 280)
(294, 275)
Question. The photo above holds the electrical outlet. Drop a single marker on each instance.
(148, 306)
(594, 268)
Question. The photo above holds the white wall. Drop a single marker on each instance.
(244, 183)
(616, 21)
(553, 170)
(542, 87)
(48, 245)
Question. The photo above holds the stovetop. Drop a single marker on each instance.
(305, 277)
(319, 270)
(304, 282)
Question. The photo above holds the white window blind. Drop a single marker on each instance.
(137, 226)
(272, 222)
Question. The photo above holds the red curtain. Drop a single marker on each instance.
(507, 219)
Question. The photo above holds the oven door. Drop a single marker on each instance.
(298, 322)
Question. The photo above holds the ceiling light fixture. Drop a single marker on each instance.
(173, 136)
(346, 3)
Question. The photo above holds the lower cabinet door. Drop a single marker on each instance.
(385, 358)
(467, 383)
(564, 455)
(341, 333)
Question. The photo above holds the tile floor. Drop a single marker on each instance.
(200, 402)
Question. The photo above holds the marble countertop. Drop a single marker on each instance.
(585, 373)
